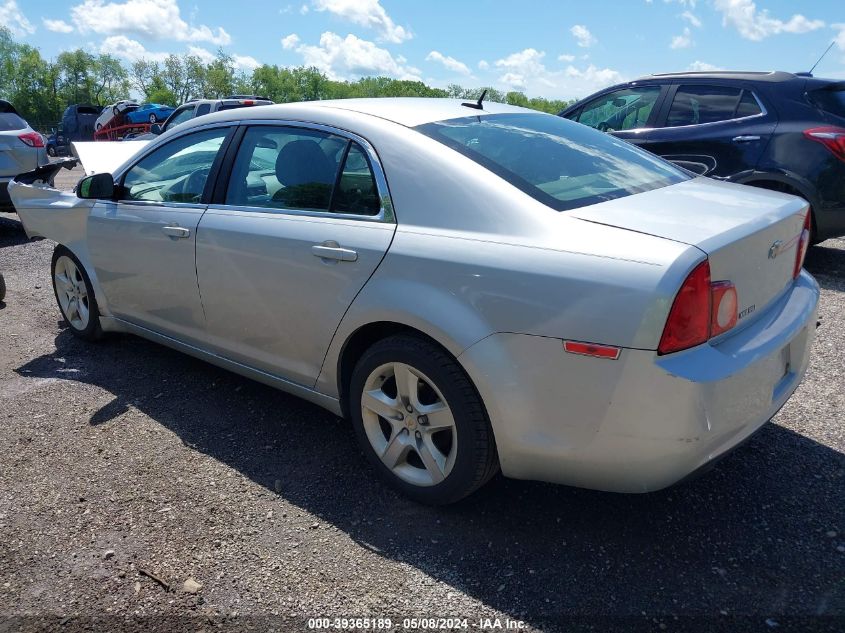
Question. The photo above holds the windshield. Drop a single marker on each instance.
(560, 163)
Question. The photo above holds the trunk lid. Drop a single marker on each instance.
(750, 235)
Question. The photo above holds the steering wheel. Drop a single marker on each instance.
(194, 184)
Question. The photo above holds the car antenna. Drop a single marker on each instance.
(821, 58)
(477, 105)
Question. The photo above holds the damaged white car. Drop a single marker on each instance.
(475, 286)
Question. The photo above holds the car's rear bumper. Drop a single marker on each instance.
(642, 422)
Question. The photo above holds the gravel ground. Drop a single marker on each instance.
(123, 462)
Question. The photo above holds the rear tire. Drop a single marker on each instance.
(51, 151)
(2, 289)
(420, 421)
(153, 118)
(75, 295)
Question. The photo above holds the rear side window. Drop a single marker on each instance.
(832, 101)
(10, 121)
(560, 163)
(694, 105)
(204, 108)
(748, 105)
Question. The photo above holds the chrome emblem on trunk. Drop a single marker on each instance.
(775, 249)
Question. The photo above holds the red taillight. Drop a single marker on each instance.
(689, 319)
(724, 312)
(833, 138)
(33, 139)
(803, 243)
(248, 102)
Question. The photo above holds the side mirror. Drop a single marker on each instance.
(96, 187)
(155, 128)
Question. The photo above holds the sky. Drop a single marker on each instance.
(555, 49)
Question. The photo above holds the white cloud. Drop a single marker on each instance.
(242, 62)
(683, 3)
(57, 26)
(692, 18)
(246, 62)
(366, 13)
(566, 58)
(698, 66)
(205, 55)
(155, 19)
(449, 63)
(483, 64)
(290, 41)
(684, 40)
(303, 9)
(352, 57)
(757, 25)
(840, 39)
(132, 50)
(13, 19)
(526, 71)
(583, 35)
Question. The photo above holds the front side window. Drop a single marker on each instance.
(175, 172)
(180, 116)
(552, 159)
(694, 105)
(620, 110)
(297, 168)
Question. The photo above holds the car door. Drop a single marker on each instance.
(712, 129)
(302, 223)
(628, 113)
(143, 243)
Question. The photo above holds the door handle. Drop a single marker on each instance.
(333, 250)
(176, 231)
(745, 139)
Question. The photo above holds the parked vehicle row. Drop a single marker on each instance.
(475, 286)
(773, 130)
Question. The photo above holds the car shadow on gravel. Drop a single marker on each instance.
(11, 231)
(757, 535)
(826, 263)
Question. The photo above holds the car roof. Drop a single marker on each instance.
(773, 76)
(407, 111)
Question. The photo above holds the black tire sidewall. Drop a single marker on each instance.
(461, 481)
(92, 331)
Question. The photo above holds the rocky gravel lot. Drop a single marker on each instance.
(142, 489)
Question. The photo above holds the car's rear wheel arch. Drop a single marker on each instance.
(363, 339)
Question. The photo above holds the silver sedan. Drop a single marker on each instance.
(475, 289)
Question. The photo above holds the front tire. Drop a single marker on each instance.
(153, 118)
(2, 288)
(75, 295)
(51, 151)
(420, 421)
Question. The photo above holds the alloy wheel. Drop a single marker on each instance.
(409, 424)
(72, 293)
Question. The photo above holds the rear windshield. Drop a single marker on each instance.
(87, 110)
(832, 101)
(562, 164)
(10, 121)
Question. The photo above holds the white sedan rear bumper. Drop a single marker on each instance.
(642, 422)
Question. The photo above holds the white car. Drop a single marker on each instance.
(474, 286)
(111, 111)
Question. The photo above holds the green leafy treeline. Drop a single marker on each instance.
(41, 89)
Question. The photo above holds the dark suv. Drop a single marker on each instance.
(774, 130)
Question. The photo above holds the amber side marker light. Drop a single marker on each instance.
(591, 349)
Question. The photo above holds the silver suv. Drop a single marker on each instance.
(21, 149)
(199, 107)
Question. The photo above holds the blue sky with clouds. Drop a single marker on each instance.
(558, 49)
